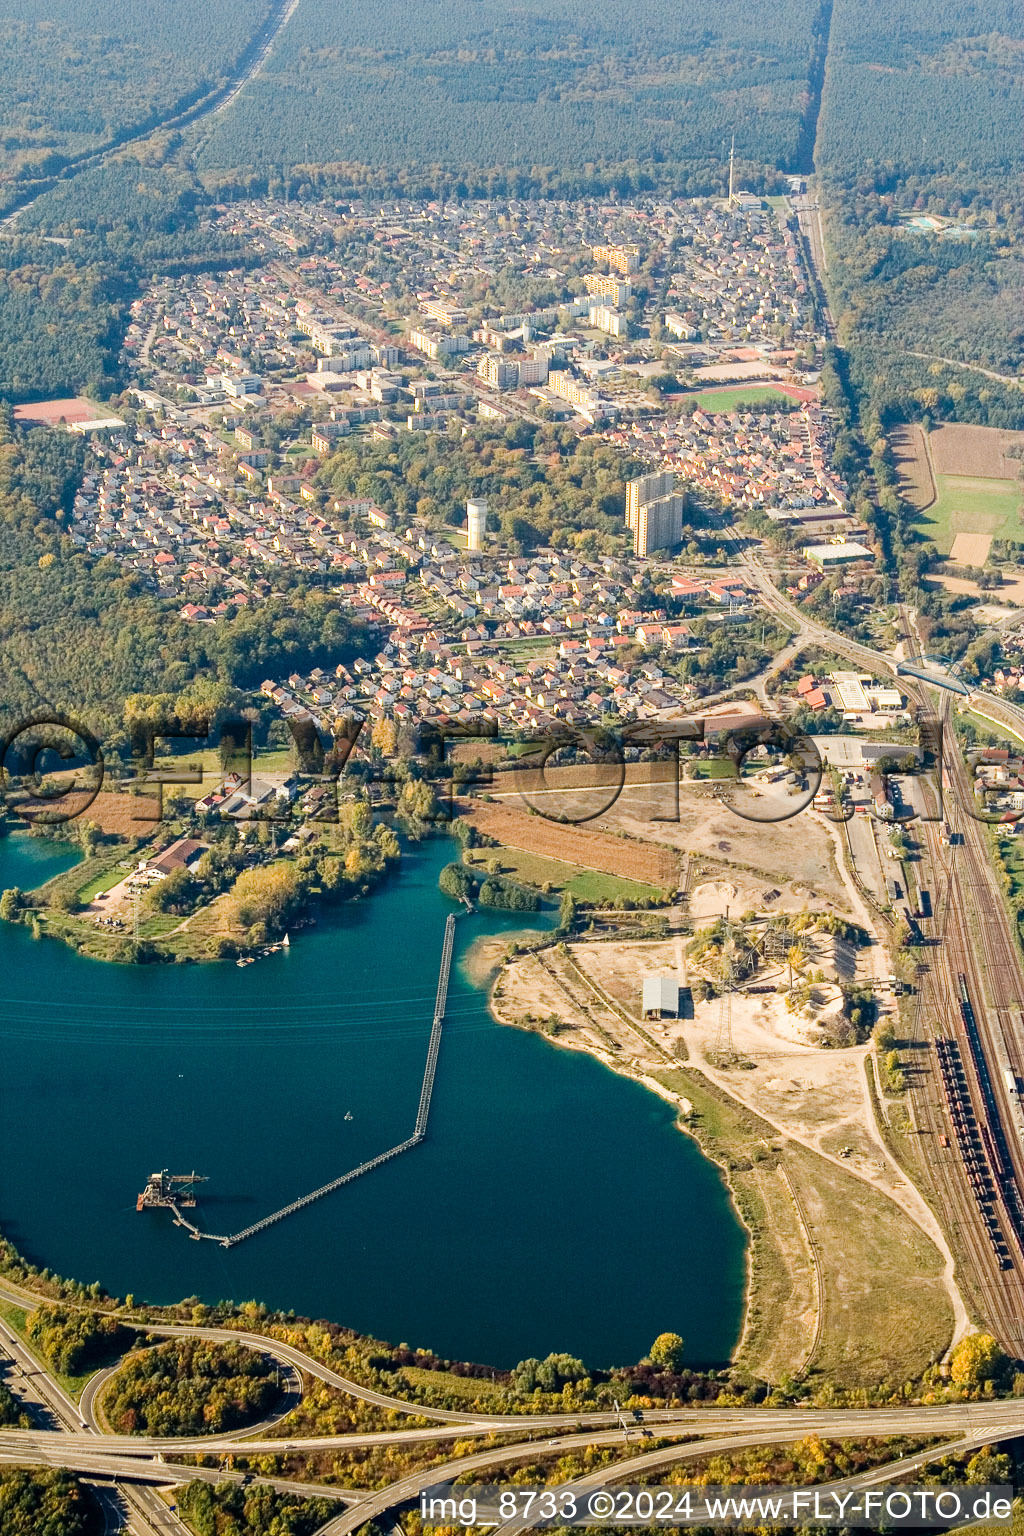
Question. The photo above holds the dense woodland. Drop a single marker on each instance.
(73, 1341)
(475, 83)
(228, 1510)
(961, 299)
(190, 1387)
(920, 115)
(60, 321)
(923, 84)
(75, 76)
(36, 1503)
(78, 257)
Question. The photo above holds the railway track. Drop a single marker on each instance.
(969, 990)
(997, 1293)
(976, 999)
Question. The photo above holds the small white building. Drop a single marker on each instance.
(660, 997)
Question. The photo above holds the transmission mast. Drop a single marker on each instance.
(724, 1054)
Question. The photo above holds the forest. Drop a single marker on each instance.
(60, 321)
(74, 1341)
(920, 117)
(37, 1503)
(77, 257)
(556, 83)
(228, 1510)
(543, 484)
(923, 85)
(73, 77)
(190, 1387)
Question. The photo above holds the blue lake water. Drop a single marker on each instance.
(553, 1206)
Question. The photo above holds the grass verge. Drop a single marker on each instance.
(885, 1311)
(17, 1319)
(588, 885)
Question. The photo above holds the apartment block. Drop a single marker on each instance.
(444, 312)
(605, 285)
(608, 320)
(654, 512)
(498, 372)
(622, 258)
(435, 346)
(659, 524)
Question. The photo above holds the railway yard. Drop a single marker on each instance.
(870, 1259)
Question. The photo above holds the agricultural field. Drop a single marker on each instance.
(910, 455)
(587, 885)
(969, 504)
(644, 863)
(980, 451)
(966, 486)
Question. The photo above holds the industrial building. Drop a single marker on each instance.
(829, 557)
(660, 998)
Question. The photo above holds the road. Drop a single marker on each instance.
(810, 630)
(136, 1465)
(410, 1488)
(653, 1461)
(934, 1419)
(808, 212)
(956, 362)
(139, 1510)
(132, 1462)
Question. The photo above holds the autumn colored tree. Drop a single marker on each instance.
(668, 1350)
(976, 1360)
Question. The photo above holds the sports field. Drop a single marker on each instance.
(972, 504)
(727, 399)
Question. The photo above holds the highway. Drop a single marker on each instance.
(748, 1427)
(937, 1419)
(136, 1465)
(132, 1467)
(411, 1487)
(640, 1467)
(139, 1510)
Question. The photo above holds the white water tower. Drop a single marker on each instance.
(476, 522)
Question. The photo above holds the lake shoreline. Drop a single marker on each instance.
(330, 1040)
(685, 1122)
